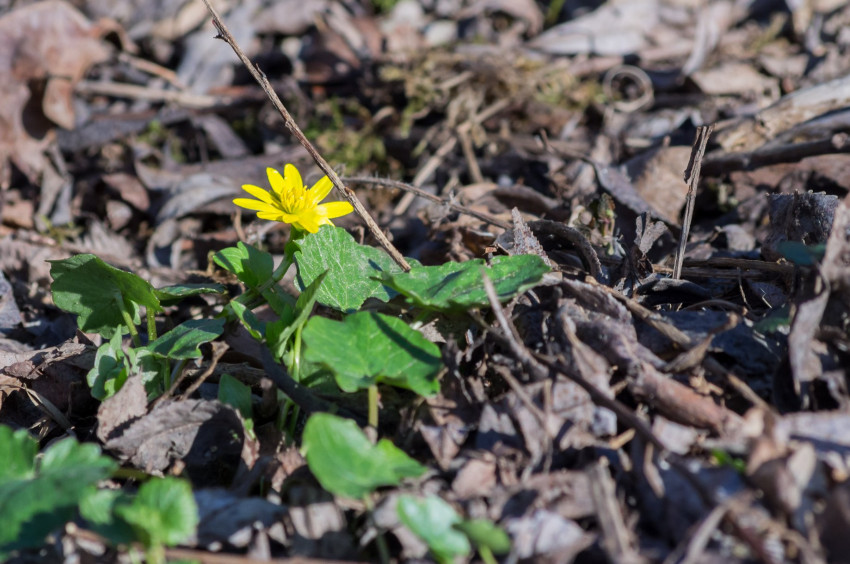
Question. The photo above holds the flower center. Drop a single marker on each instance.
(295, 201)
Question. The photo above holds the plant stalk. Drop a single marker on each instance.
(373, 406)
(128, 321)
(151, 317)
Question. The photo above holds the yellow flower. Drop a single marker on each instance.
(291, 202)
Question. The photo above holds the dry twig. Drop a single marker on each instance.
(692, 178)
(428, 196)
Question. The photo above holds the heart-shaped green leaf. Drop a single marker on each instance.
(341, 457)
(368, 348)
(354, 270)
(98, 293)
(251, 266)
(458, 286)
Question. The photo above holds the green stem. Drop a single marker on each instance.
(373, 405)
(295, 370)
(156, 554)
(380, 541)
(128, 321)
(553, 12)
(176, 372)
(282, 268)
(486, 555)
(134, 555)
(149, 313)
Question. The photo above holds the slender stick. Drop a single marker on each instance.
(486, 218)
(260, 77)
(692, 178)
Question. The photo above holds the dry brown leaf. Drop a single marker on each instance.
(45, 48)
(205, 437)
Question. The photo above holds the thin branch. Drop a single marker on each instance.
(260, 77)
(724, 163)
(428, 196)
(692, 178)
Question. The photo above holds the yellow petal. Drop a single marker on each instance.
(292, 182)
(271, 216)
(321, 189)
(255, 205)
(259, 193)
(336, 209)
(276, 181)
(309, 221)
(310, 225)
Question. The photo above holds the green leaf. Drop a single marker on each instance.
(454, 286)
(17, 451)
(97, 507)
(368, 348)
(151, 368)
(485, 533)
(34, 504)
(110, 369)
(170, 295)
(249, 320)
(183, 341)
(344, 461)
(97, 293)
(801, 254)
(433, 520)
(163, 513)
(251, 266)
(279, 332)
(281, 302)
(233, 392)
(353, 270)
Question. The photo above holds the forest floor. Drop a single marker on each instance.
(625, 335)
